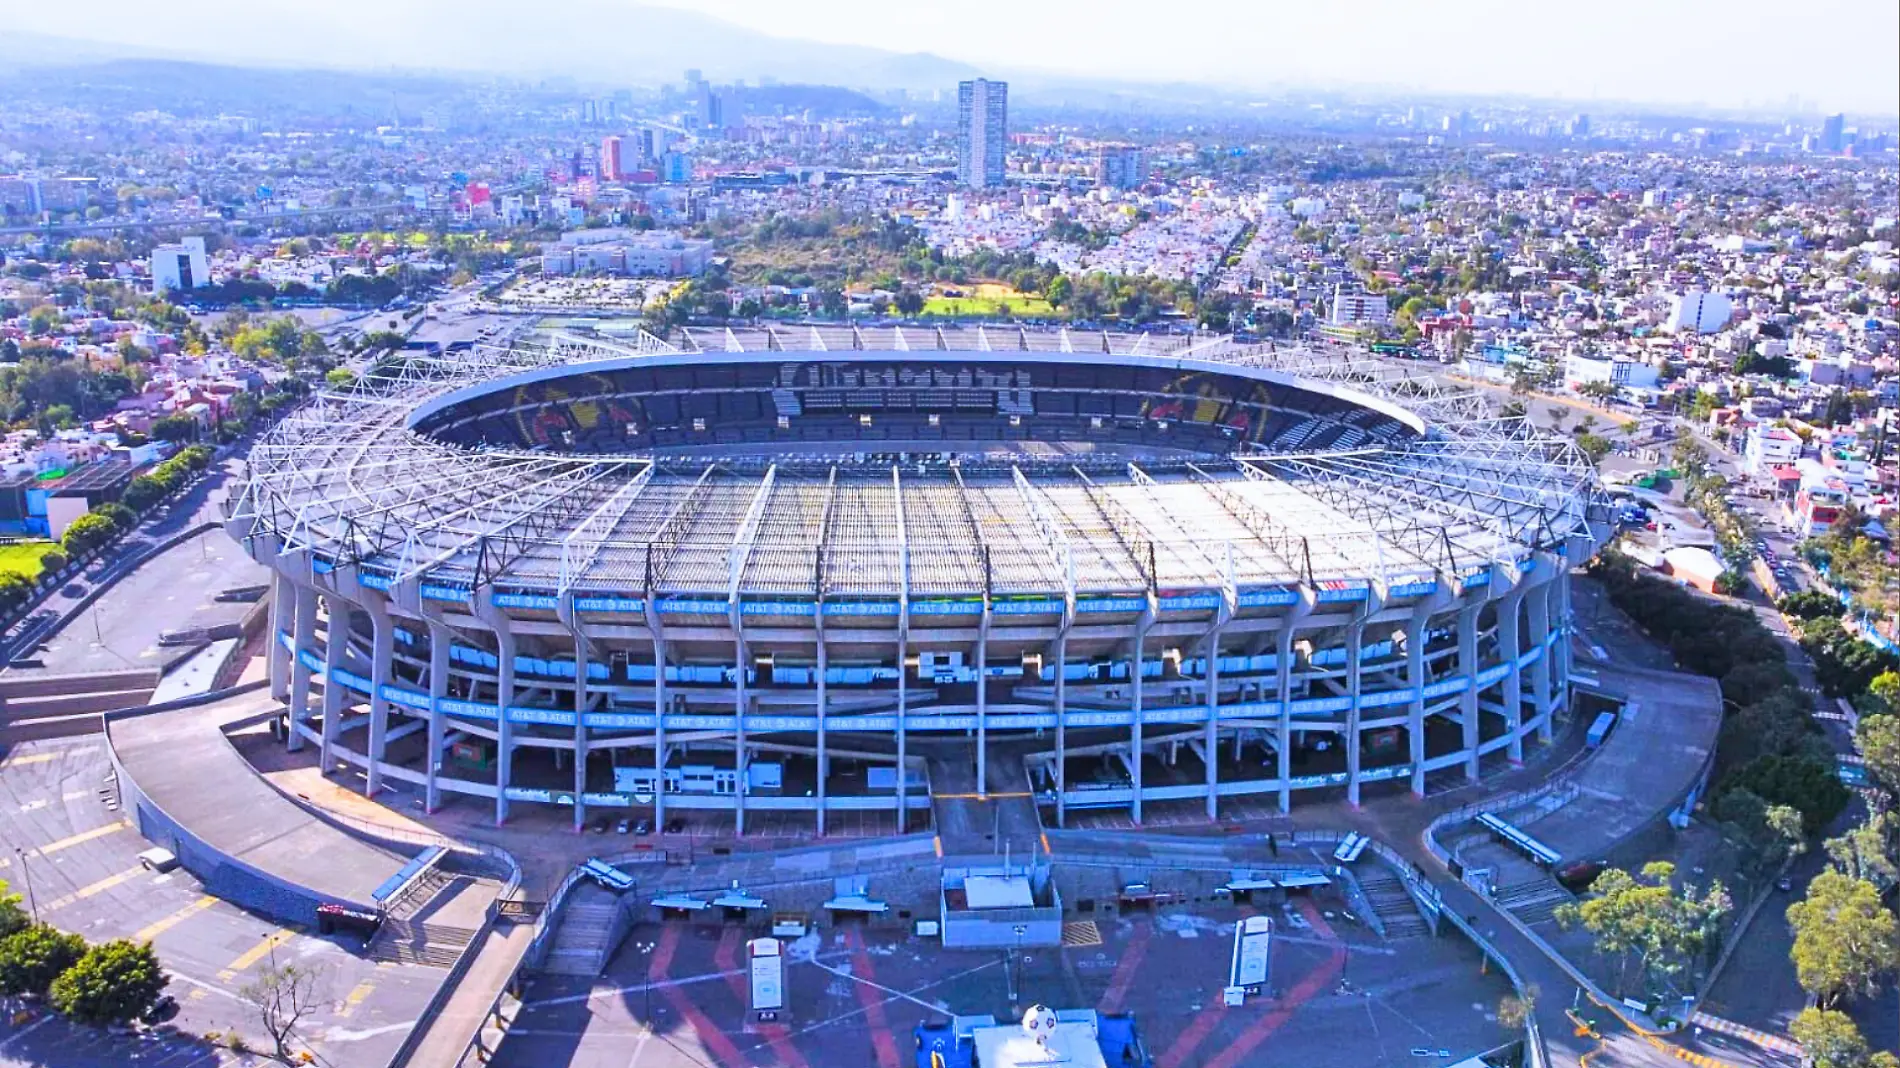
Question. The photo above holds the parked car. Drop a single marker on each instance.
(622, 827)
(643, 828)
(600, 825)
(676, 825)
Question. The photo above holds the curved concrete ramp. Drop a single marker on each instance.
(191, 792)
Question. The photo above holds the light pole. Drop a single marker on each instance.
(1016, 988)
(26, 875)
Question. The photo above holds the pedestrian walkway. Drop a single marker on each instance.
(1747, 1034)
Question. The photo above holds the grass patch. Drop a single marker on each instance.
(1018, 306)
(23, 559)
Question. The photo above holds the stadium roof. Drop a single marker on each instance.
(346, 478)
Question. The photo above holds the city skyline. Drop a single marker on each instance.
(1833, 59)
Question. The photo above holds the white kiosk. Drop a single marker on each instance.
(766, 988)
(1253, 951)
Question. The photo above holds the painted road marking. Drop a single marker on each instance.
(355, 997)
(159, 927)
(78, 839)
(1763, 1039)
(1081, 933)
(43, 758)
(93, 889)
(256, 953)
(1125, 968)
(711, 1037)
(861, 968)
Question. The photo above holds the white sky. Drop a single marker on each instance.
(1836, 54)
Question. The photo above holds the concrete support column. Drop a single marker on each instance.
(304, 636)
(659, 732)
(1468, 701)
(738, 725)
(1513, 690)
(1538, 604)
(382, 652)
(336, 643)
(1062, 727)
(903, 709)
(1210, 738)
(823, 749)
(1134, 740)
(1283, 688)
(1355, 649)
(440, 641)
(283, 595)
(504, 727)
(1415, 640)
(1560, 609)
(982, 705)
(580, 732)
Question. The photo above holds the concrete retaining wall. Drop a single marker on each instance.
(223, 875)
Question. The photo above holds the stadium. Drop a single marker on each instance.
(834, 569)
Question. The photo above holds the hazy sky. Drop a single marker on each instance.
(1837, 54)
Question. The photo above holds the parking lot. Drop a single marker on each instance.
(674, 996)
(76, 860)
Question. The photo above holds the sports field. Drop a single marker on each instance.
(989, 298)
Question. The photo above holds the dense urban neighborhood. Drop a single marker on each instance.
(489, 535)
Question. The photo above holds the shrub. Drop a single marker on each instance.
(116, 982)
(32, 958)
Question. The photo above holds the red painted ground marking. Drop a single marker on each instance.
(872, 1001)
(1197, 1032)
(714, 1039)
(1303, 991)
(726, 959)
(662, 958)
(1125, 970)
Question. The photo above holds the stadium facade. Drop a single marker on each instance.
(793, 569)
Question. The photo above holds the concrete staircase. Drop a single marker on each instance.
(1534, 901)
(420, 894)
(34, 696)
(584, 938)
(54, 706)
(408, 942)
(1391, 903)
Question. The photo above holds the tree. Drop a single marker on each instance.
(52, 560)
(1886, 689)
(88, 532)
(284, 996)
(340, 378)
(143, 492)
(909, 301)
(1870, 850)
(1845, 940)
(31, 958)
(1831, 1040)
(1642, 918)
(1878, 739)
(176, 429)
(115, 982)
(12, 917)
(1801, 782)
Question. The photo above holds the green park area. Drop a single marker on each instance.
(989, 299)
(23, 558)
